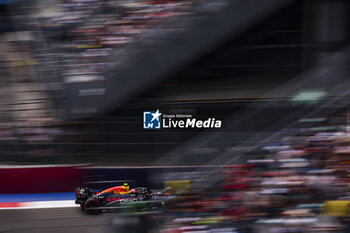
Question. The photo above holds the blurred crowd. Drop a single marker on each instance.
(300, 184)
(44, 44)
(101, 36)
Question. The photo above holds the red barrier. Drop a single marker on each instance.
(40, 179)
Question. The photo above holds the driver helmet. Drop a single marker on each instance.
(125, 187)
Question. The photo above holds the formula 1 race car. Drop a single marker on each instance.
(111, 199)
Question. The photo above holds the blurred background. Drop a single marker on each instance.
(77, 75)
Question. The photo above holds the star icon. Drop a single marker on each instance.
(156, 115)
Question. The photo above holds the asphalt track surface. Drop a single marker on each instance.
(55, 220)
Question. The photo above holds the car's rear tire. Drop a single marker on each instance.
(91, 203)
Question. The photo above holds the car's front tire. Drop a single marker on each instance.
(82, 205)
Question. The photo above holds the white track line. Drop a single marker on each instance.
(43, 205)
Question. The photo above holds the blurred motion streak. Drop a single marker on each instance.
(77, 76)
